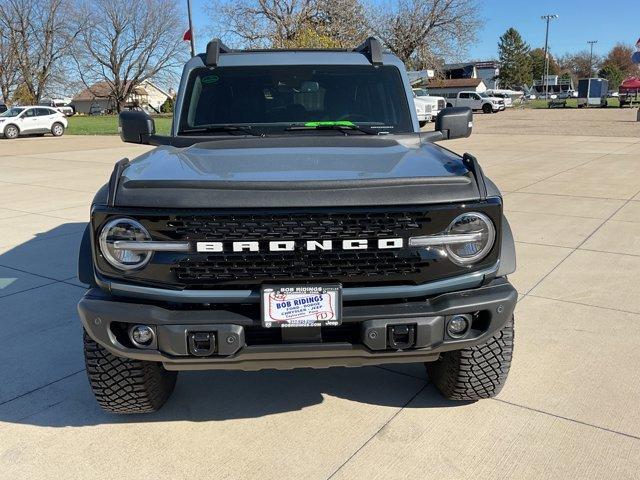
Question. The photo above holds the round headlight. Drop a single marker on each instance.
(124, 230)
(472, 251)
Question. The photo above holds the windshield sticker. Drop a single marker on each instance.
(209, 80)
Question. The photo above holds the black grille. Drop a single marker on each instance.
(250, 267)
(295, 226)
(294, 265)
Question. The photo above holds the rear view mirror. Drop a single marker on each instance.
(455, 122)
(136, 127)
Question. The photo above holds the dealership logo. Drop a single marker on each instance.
(309, 246)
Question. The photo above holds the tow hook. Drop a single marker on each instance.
(202, 344)
(401, 337)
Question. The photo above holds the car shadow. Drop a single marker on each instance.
(48, 386)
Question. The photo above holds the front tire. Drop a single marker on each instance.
(476, 372)
(11, 132)
(57, 129)
(486, 108)
(123, 385)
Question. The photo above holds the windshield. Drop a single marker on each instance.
(483, 95)
(270, 99)
(12, 112)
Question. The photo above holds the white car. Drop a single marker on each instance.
(32, 120)
(475, 101)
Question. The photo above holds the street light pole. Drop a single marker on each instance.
(193, 35)
(548, 18)
(592, 43)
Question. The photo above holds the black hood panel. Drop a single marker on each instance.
(297, 171)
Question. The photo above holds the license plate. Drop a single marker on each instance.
(301, 305)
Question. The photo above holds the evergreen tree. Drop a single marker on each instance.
(537, 64)
(515, 61)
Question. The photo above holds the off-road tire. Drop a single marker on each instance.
(57, 129)
(486, 108)
(476, 372)
(123, 385)
(11, 132)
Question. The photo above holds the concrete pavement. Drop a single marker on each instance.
(569, 408)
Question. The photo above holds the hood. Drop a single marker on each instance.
(296, 171)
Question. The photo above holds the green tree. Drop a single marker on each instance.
(620, 56)
(537, 64)
(613, 73)
(515, 61)
(167, 106)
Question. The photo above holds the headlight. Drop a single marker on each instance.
(481, 232)
(124, 230)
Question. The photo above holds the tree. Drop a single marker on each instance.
(620, 56)
(515, 61)
(421, 31)
(127, 42)
(538, 64)
(613, 73)
(290, 23)
(579, 65)
(40, 35)
(8, 68)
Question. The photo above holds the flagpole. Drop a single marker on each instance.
(193, 37)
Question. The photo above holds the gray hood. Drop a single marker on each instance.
(296, 171)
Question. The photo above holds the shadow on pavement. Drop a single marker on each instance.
(51, 388)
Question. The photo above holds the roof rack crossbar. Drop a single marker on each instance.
(214, 48)
(372, 49)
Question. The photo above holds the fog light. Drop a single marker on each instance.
(141, 336)
(458, 326)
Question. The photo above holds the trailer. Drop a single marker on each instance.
(592, 92)
(629, 92)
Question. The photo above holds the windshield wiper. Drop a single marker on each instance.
(338, 125)
(248, 129)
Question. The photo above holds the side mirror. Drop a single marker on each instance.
(136, 127)
(455, 122)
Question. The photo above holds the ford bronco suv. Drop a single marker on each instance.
(295, 217)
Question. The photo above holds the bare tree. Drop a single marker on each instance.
(289, 23)
(39, 35)
(127, 42)
(421, 31)
(8, 68)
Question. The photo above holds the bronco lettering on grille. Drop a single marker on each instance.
(310, 246)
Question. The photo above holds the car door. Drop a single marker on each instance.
(28, 121)
(464, 100)
(45, 118)
(475, 101)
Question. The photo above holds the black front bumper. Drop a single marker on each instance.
(242, 344)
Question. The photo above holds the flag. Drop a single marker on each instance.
(187, 36)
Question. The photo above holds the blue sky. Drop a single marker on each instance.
(608, 22)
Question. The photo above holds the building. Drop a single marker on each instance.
(450, 87)
(97, 98)
(488, 72)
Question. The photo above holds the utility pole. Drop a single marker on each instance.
(548, 18)
(592, 43)
(193, 35)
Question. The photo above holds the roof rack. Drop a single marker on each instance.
(214, 48)
(372, 49)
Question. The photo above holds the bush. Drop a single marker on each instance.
(167, 106)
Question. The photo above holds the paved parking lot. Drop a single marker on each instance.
(569, 410)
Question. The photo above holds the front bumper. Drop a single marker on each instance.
(240, 342)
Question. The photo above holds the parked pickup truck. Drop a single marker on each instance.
(295, 217)
(437, 103)
(475, 101)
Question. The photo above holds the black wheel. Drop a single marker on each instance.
(422, 124)
(57, 129)
(11, 132)
(486, 108)
(122, 385)
(477, 372)
(449, 105)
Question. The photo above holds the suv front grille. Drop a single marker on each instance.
(250, 269)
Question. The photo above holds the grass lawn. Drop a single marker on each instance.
(108, 125)
(571, 103)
